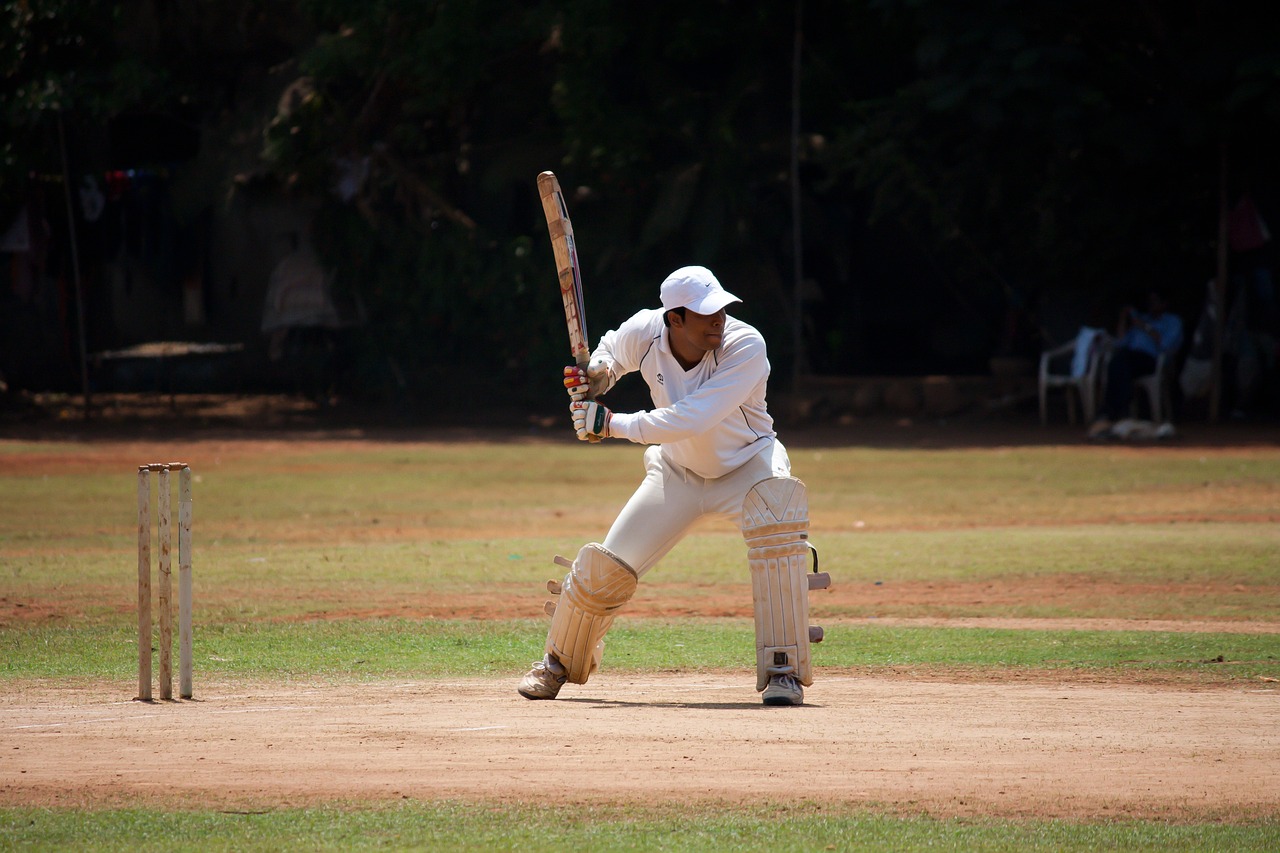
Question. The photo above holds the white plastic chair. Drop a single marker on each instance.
(1057, 371)
(1158, 387)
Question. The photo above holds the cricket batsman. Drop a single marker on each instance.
(711, 449)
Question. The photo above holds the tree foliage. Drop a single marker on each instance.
(997, 150)
(1067, 145)
(91, 64)
(52, 58)
(957, 161)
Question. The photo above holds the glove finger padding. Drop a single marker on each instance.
(575, 382)
(590, 420)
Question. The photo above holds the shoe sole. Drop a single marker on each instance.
(783, 700)
(537, 691)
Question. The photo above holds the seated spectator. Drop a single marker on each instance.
(1141, 337)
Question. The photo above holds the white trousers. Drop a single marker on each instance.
(671, 499)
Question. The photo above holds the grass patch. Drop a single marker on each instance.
(360, 649)
(1036, 485)
(471, 826)
(300, 532)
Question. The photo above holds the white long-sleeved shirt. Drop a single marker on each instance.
(710, 419)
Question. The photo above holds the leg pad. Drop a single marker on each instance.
(775, 524)
(596, 587)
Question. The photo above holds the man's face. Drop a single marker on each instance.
(702, 332)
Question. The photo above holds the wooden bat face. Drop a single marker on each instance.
(560, 228)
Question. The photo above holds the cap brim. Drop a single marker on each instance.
(713, 302)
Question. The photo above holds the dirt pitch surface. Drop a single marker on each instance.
(946, 747)
(949, 743)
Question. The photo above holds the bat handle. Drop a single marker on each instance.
(593, 439)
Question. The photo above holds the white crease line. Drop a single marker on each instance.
(256, 710)
(478, 729)
(82, 722)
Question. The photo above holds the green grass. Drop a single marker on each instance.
(481, 826)
(1041, 485)
(289, 543)
(374, 649)
(1184, 571)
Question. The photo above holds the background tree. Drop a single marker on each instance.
(670, 123)
(960, 167)
(1067, 154)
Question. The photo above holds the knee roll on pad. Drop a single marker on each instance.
(597, 585)
(775, 524)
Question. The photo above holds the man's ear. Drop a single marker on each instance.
(674, 320)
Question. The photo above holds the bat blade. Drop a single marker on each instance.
(560, 227)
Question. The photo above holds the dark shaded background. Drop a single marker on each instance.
(973, 183)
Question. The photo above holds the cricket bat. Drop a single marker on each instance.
(560, 228)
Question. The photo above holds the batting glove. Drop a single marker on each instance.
(590, 420)
(588, 384)
(576, 383)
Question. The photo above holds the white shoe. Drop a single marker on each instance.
(544, 680)
(783, 690)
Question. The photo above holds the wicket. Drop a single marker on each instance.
(163, 514)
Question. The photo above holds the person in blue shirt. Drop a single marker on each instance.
(1141, 337)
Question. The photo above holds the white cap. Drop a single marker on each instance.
(695, 288)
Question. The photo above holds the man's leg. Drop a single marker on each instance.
(1126, 366)
(771, 508)
(775, 524)
(671, 501)
(659, 513)
(597, 585)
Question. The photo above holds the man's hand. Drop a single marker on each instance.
(593, 382)
(590, 420)
(576, 383)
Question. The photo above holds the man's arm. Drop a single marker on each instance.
(620, 350)
(742, 368)
(618, 353)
